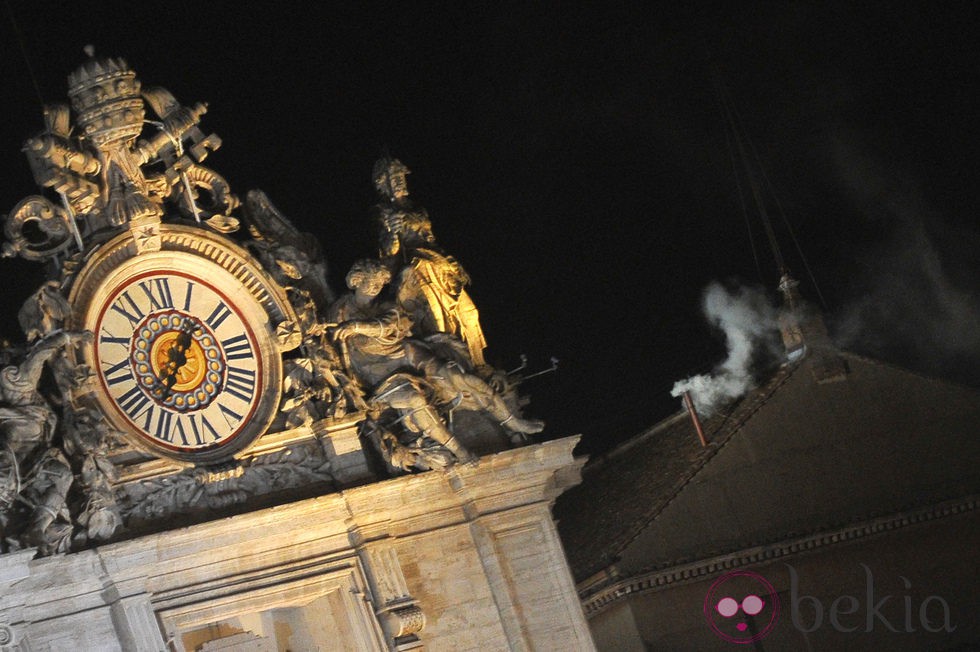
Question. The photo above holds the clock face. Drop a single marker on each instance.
(184, 359)
(178, 360)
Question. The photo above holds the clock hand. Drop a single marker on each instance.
(176, 356)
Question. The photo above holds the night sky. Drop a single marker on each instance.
(577, 162)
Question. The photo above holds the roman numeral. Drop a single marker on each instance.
(181, 431)
(119, 372)
(207, 425)
(220, 313)
(134, 319)
(163, 430)
(133, 401)
(107, 338)
(199, 432)
(237, 347)
(240, 383)
(157, 291)
(227, 412)
(187, 297)
(148, 418)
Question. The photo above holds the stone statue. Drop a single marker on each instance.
(315, 386)
(86, 435)
(292, 257)
(89, 438)
(104, 174)
(36, 473)
(429, 285)
(44, 312)
(25, 418)
(408, 375)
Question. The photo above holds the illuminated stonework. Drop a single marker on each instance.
(228, 456)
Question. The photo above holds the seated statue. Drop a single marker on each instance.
(429, 284)
(410, 375)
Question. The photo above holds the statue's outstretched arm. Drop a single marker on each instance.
(393, 325)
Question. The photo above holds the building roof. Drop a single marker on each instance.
(792, 456)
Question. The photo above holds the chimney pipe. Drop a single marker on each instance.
(689, 404)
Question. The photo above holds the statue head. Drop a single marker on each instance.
(106, 96)
(369, 276)
(390, 178)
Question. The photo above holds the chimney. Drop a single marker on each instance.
(689, 404)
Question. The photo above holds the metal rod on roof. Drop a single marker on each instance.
(689, 404)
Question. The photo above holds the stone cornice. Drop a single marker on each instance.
(595, 601)
(505, 480)
(245, 544)
(382, 552)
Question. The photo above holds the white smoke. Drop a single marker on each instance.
(749, 323)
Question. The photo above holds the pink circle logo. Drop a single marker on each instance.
(741, 607)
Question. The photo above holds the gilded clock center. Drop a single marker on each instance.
(176, 355)
(177, 360)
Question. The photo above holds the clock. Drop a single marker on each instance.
(184, 358)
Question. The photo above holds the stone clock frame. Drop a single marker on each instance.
(234, 275)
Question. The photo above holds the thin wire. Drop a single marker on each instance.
(23, 51)
(735, 122)
(742, 203)
(782, 214)
(731, 132)
(792, 235)
(754, 185)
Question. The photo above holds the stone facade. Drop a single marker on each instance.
(203, 448)
(463, 559)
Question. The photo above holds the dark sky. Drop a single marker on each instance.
(577, 162)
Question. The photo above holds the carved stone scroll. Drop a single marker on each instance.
(36, 229)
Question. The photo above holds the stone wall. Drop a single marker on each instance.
(464, 559)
